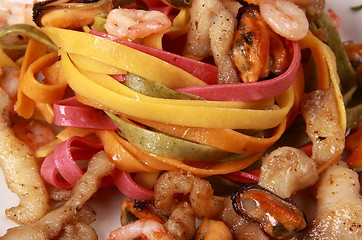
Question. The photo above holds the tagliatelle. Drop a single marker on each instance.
(121, 56)
(199, 116)
(25, 106)
(310, 41)
(223, 139)
(40, 92)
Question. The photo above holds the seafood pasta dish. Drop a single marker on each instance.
(179, 119)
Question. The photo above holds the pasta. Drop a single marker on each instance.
(216, 111)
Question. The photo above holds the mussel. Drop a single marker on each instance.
(250, 50)
(69, 13)
(278, 217)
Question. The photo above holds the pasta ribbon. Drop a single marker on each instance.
(325, 57)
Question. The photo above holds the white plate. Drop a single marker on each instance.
(107, 201)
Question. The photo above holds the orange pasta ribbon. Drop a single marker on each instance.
(222, 139)
(24, 105)
(42, 92)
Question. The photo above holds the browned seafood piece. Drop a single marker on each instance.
(69, 13)
(339, 206)
(278, 53)
(211, 229)
(278, 217)
(250, 50)
(135, 210)
(319, 110)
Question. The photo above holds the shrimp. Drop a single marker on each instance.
(182, 223)
(130, 24)
(9, 80)
(221, 40)
(33, 133)
(287, 170)
(148, 228)
(200, 193)
(15, 11)
(285, 18)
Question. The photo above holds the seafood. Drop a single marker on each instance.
(21, 171)
(211, 229)
(198, 37)
(221, 35)
(250, 50)
(285, 18)
(130, 24)
(181, 223)
(339, 205)
(201, 193)
(131, 211)
(9, 79)
(287, 170)
(34, 134)
(51, 224)
(13, 12)
(69, 13)
(324, 131)
(150, 229)
(279, 218)
(240, 227)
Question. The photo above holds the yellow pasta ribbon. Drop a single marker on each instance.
(6, 61)
(122, 57)
(320, 49)
(164, 110)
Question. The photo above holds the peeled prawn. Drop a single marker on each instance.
(201, 193)
(148, 228)
(181, 223)
(9, 79)
(287, 170)
(13, 12)
(21, 171)
(130, 24)
(285, 18)
(34, 134)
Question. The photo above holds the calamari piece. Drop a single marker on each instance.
(79, 227)
(221, 35)
(53, 222)
(79, 231)
(319, 110)
(287, 170)
(339, 206)
(198, 38)
(21, 172)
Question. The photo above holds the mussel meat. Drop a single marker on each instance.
(278, 217)
(69, 13)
